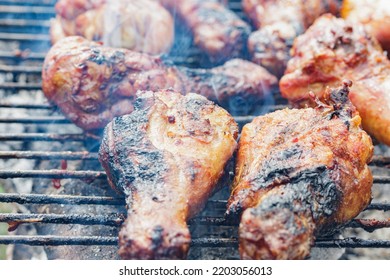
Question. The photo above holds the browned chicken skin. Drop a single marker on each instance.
(300, 173)
(333, 49)
(142, 25)
(374, 14)
(166, 157)
(217, 31)
(278, 23)
(92, 84)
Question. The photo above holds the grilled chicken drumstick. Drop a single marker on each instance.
(374, 14)
(300, 173)
(333, 49)
(216, 30)
(142, 25)
(92, 84)
(166, 157)
(278, 23)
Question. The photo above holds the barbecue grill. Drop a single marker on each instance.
(56, 154)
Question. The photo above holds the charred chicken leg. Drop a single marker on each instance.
(278, 23)
(92, 84)
(300, 173)
(166, 157)
(333, 49)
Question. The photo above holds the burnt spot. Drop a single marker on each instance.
(195, 106)
(132, 159)
(278, 167)
(97, 56)
(311, 191)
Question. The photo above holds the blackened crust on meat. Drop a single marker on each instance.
(300, 174)
(166, 157)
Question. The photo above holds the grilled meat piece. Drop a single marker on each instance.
(333, 49)
(300, 173)
(374, 14)
(166, 157)
(278, 23)
(92, 84)
(143, 26)
(216, 30)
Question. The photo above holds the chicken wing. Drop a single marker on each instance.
(333, 49)
(374, 14)
(300, 173)
(166, 157)
(278, 23)
(142, 25)
(92, 84)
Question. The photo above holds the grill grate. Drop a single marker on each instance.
(25, 25)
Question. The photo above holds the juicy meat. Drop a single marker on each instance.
(300, 173)
(216, 30)
(374, 14)
(92, 84)
(278, 23)
(333, 49)
(166, 157)
(143, 26)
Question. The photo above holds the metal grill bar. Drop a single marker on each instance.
(19, 55)
(24, 37)
(29, 2)
(59, 199)
(41, 56)
(107, 220)
(52, 174)
(381, 179)
(61, 174)
(24, 22)
(62, 119)
(379, 206)
(369, 225)
(20, 69)
(352, 242)
(36, 120)
(17, 9)
(49, 155)
(79, 200)
(52, 240)
(20, 86)
(380, 161)
(26, 106)
(42, 137)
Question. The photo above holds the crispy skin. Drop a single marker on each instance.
(374, 14)
(216, 30)
(92, 84)
(278, 23)
(300, 173)
(143, 26)
(333, 49)
(167, 157)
